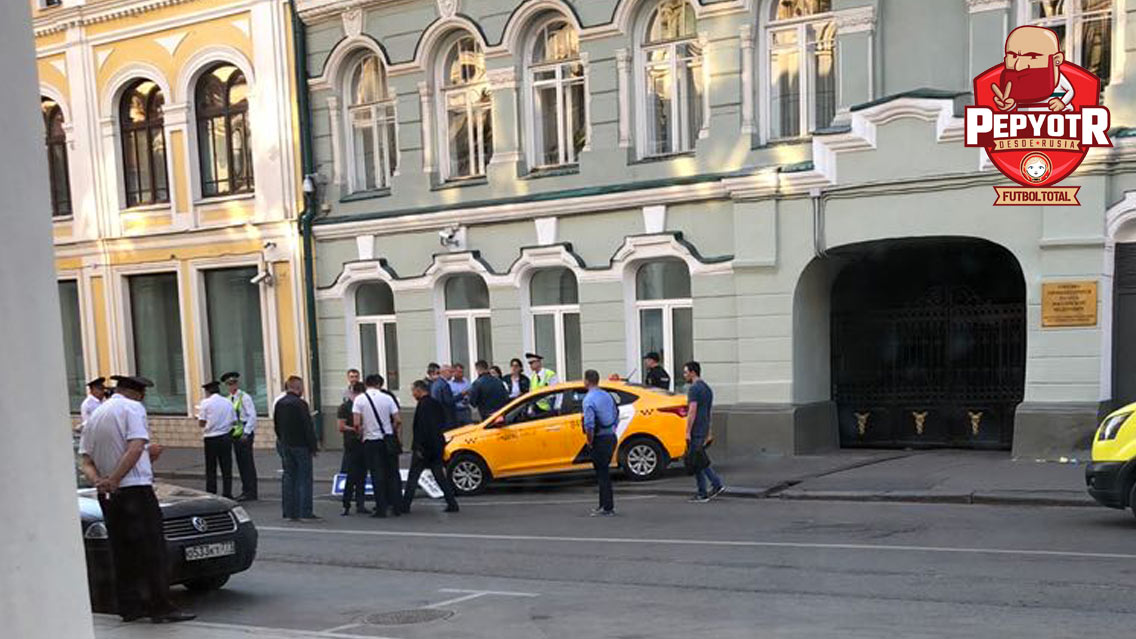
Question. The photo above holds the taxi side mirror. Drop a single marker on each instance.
(497, 423)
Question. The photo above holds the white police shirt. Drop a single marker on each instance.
(218, 414)
(385, 406)
(86, 408)
(107, 433)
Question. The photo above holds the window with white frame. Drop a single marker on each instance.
(666, 317)
(467, 319)
(801, 40)
(155, 321)
(235, 329)
(1084, 27)
(372, 143)
(671, 57)
(72, 343)
(466, 111)
(557, 111)
(554, 307)
(378, 332)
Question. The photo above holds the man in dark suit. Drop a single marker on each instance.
(429, 445)
(488, 394)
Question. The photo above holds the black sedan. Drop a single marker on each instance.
(208, 538)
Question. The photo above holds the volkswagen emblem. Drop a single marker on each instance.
(200, 524)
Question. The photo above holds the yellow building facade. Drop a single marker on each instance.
(170, 129)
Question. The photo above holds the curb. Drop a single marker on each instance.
(980, 499)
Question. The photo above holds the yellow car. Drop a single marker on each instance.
(1111, 477)
(542, 432)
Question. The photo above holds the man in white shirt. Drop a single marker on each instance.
(244, 432)
(376, 415)
(96, 393)
(216, 417)
(116, 460)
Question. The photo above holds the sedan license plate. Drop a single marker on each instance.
(209, 551)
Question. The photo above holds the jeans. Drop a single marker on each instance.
(296, 483)
(706, 474)
(246, 465)
(218, 453)
(603, 447)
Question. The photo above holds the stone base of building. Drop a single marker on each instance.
(746, 430)
(183, 432)
(1050, 431)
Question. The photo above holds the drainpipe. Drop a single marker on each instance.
(300, 50)
(819, 241)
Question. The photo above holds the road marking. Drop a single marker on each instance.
(474, 594)
(710, 542)
(550, 502)
(264, 630)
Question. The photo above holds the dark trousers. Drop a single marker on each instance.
(603, 447)
(246, 465)
(296, 483)
(384, 475)
(218, 452)
(417, 465)
(355, 466)
(138, 547)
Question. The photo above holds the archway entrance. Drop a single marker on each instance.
(928, 343)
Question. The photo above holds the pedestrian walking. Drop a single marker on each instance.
(700, 401)
(244, 433)
(96, 394)
(487, 393)
(459, 387)
(601, 416)
(517, 381)
(542, 378)
(116, 457)
(428, 448)
(353, 378)
(440, 390)
(655, 376)
(216, 417)
(296, 442)
(376, 416)
(354, 464)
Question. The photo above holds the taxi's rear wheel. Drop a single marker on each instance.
(468, 474)
(642, 459)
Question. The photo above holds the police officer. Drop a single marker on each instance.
(655, 376)
(96, 393)
(542, 378)
(116, 456)
(216, 416)
(244, 432)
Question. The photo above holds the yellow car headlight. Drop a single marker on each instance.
(1111, 427)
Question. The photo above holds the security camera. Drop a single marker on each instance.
(448, 236)
(269, 245)
(263, 277)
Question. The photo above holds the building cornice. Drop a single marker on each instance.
(83, 15)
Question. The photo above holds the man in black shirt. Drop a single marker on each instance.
(354, 461)
(297, 443)
(655, 376)
(429, 446)
(488, 394)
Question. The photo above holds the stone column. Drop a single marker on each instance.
(506, 126)
(43, 574)
(748, 94)
(855, 44)
(623, 70)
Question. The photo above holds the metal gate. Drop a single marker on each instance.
(946, 369)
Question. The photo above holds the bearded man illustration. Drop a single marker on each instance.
(1032, 79)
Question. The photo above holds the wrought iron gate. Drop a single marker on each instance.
(944, 370)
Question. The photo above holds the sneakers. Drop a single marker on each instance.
(600, 512)
(699, 499)
(717, 490)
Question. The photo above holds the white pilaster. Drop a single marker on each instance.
(623, 69)
(746, 38)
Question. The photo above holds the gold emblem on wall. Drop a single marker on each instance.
(862, 422)
(975, 421)
(920, 420)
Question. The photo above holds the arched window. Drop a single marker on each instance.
(223, 131)
(56, 139)
(554, 305)
(372, 143)
(1085, 29)
(666, 316)
(143, 144)
(378, 333)
(801, 37)
(671, 59)
(467, 110)
(557, 113)
(467, 319)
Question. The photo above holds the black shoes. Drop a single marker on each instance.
(452, 508)
(244, 497)
(363, 510)
(346, 511)
(174, 616)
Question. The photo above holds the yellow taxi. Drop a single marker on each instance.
(542, 433)
(1111, 476)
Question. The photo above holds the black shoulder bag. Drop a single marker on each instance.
(394, 446)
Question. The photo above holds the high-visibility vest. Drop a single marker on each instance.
(238, 426)
(541, 380)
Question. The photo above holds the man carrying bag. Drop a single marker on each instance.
(376, 415)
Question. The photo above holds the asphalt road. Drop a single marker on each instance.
(530, 564)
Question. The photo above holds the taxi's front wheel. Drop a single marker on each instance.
(468, 473)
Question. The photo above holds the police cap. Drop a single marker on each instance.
(531, 356)
(132, 382)
(212, 387)
(96, 382)
(230, 375)
(652, 355)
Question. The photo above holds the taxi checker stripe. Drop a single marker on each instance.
(711, 542)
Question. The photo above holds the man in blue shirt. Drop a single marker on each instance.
(601, 416)
(441, 391)
(700, 401)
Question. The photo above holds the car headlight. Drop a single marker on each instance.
(97, 530)
(1111, 427)
(242, 515)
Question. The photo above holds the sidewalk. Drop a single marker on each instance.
(947, 476)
